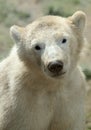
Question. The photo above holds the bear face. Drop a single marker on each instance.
(51, 44)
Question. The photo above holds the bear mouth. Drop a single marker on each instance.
(55, 75)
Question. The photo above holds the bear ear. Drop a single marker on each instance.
(16, 33)
(79, 20)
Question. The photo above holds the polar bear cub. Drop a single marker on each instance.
(41, 84)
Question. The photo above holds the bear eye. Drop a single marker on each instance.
(37, 47)
(64, 40)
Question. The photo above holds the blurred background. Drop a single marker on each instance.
(22, 12)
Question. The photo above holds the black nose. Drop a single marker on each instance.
(55, 66)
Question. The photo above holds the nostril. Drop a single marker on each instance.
(55, 67)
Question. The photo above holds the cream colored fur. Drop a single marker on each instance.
(30, 98)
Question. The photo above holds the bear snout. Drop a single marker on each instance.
(55, 67)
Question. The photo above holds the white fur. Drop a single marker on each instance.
(30, 99)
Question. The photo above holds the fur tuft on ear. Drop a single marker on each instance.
(79, 20)
(16, 33)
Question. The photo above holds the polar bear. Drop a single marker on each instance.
(41, 84)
